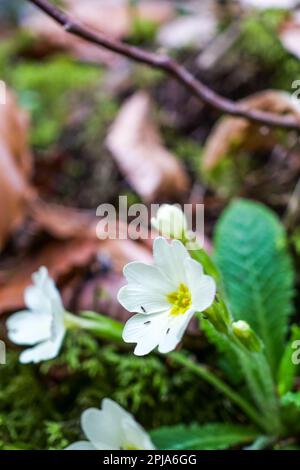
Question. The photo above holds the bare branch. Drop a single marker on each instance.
(168, 65)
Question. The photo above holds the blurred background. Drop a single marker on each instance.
(81, 126)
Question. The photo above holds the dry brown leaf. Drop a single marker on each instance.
(233, 134)
(64, 222)
(15, 166)
(113, 18)
(58, 256)
(136, 145)
(123, 251)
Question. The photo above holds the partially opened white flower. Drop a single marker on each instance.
(42, 324)
(165, 296)
(111, 428)
(171, 222)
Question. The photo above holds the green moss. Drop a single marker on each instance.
(40, 405)
(9, 51)
(227, 177)
(260, 43)
(189, 151)
(142, 31)
(259, 36)
(46, 90)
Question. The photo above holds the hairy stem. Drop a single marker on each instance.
(221, 386)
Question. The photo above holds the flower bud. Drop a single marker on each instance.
(171, 222)
(246, 335)
(219, 316)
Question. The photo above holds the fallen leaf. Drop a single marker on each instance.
(195, 29)
(232, 134)
(137, 147)
(60, 257)
(15, 166)
(64, 222)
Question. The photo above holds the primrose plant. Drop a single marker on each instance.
(242, 297)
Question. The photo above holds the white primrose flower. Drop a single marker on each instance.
(42, 324)
(171, 222)
(111, 428)
(164, 296)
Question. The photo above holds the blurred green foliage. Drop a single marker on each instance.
(260, 42)
(142, 31)
(46, 90)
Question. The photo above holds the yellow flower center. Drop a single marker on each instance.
(180, 300)
(129, 447)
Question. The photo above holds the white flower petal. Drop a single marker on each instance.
(81, 445)
(45, 283)
(135, 436)
(176, 328)
(101, 429)
(135, 298)
(26, 327)
(202, 287)
(147, 276)
(170, 258)
(36, 300)
(43, 296)
(43, 351)
(146, 331)
(115, 410)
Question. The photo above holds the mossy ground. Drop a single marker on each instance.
(40, 405)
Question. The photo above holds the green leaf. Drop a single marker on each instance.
(291, 398)
(288, 369)
(213, 436)
(251, 253)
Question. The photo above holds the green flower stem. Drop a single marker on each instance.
(221, 386)
(260, 381)
(100, 325)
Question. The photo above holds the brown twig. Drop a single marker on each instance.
(168, 65)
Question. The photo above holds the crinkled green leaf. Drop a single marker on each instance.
(251, 253)
(207, 437)
(288, 369)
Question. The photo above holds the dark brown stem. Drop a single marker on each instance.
(168, 65)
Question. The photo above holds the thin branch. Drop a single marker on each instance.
(168, 65)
